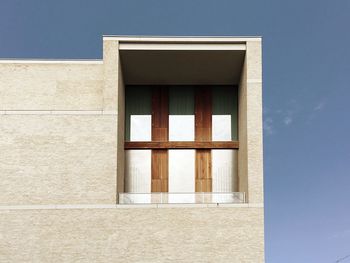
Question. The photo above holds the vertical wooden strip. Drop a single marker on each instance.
(203, 112)
(203, 171)
(160, 114)
(159, 171)
(160, 119)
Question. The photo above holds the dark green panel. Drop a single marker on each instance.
(138, 101)
(225, 102)
(181, 100)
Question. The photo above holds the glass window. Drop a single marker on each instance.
(225, 113)
(178, 113)
(138, 113)
(181, 113)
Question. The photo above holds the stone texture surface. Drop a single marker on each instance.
(48, 159)
(50, 86)
(254, 124)
(111, 71)
(242, 133)
(254, 60)
(254, 141)
(120, 130)
(132, 235)
(250, 155)
(57, 159)
(113, 100)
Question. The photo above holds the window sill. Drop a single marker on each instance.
(126, 206)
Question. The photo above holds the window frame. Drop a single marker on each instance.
(202, 144)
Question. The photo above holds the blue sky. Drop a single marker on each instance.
(306, 94)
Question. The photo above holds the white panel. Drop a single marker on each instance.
(140, 128)
(138, 171)
(221, 129)
(181, 127)
(181, 171)
(224, 170)
(185, 198)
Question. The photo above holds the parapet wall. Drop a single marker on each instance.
(51, 85)
(57, 144)
(192, 234)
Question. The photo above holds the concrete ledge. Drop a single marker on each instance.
(109, 112)
(101, 206)
(57, 112)
(48, 61)
(81, 112)
(181, 205)
(233, 205)
(49, 207)
(142, 206)
(181, 46)
(32, 112)
(256, 205)
(254, 80)
(179, 39)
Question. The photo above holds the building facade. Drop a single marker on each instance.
(152, 154)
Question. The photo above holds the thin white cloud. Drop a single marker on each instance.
(319, 106)
(288, 120)
(315, 110)
(275, 118)
(342, 234)
(293, 108)
(268, 126)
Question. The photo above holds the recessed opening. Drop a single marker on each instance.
(184, 67)
(181, 126)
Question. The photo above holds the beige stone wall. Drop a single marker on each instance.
(111, 75)
(57, 159)
(120, 130)
(250, 158)
(61, 142)
(113, 101)
(254, 122)
(242, 133)
(57, 144)
(132, 235)
(51, 85)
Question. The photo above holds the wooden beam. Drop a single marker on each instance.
(160, 114)
(159, 168)
(203, 171)
(203, 132)
(203, 112)
(182, 145)
(160, 132)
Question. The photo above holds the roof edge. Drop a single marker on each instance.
(49, 61)
(207, 39)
